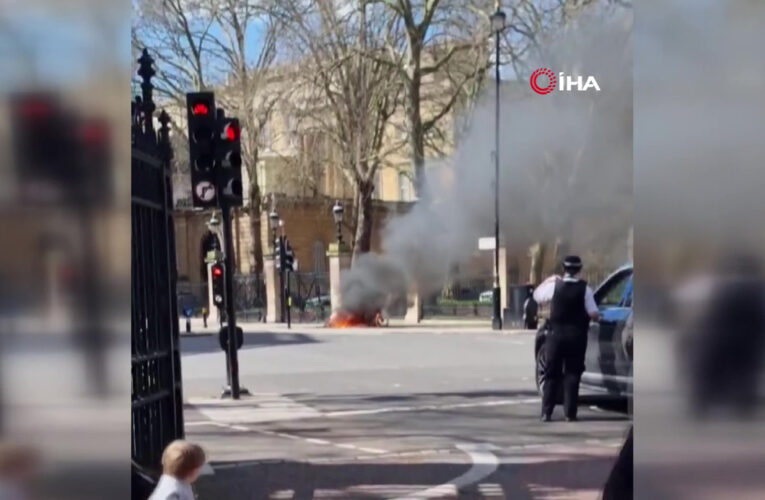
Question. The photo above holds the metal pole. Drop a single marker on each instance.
(288, 299)
(231, 352)
(496, 322)
(282, 274)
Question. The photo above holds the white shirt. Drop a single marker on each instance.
(170, 488)
(544, 293)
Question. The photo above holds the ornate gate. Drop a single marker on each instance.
(157, 409)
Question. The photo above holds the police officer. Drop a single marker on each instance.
(573, 306)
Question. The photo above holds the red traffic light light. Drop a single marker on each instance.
(230, 132)
(200, 108)
(217, 271)
(35, 108)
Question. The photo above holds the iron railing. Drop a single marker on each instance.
(157, 410)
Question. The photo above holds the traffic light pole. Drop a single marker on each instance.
(231, 352)
(282, 278)
(288, 299)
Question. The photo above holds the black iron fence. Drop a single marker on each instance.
(157, 410)
(310, 297)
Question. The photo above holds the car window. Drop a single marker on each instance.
(612, 292)
(628, 293)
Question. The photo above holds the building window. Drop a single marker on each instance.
(377, 194)
(262, 180)
(404, 187)
(264, 136)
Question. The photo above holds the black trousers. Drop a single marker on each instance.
(564, 349)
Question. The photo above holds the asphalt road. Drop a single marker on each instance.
(389, 414)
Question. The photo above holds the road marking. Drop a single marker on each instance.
(206, 470)
(455, 406)
(376, 451)
(484, 464)
(314, 441)
(317, 441)
(263, 407)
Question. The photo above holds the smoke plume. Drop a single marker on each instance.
(565, 171)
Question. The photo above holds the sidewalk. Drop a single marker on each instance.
(397, 325)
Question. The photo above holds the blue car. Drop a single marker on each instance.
(608, 361)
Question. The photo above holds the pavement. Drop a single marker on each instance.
(434, 411)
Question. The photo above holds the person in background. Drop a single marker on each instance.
(181, 464)
(572, 307)
(530, 310)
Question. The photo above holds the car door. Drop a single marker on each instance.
(606, 366)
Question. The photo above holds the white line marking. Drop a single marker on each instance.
(317, 441)
(403, 409)
(206, 470)
(372, 450)
(484, 464)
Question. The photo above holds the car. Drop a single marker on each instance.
(322, 300)
(486, 297)
(608, 359)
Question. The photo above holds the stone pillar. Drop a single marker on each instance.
(273, 297)
(339, 259)
(413, 308)
(504, 295)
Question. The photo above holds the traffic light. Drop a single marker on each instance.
(218, 284)
(289, 257)
(228, 162)
(41, 145)
(202, 127)
(94, 151)
(278, 252)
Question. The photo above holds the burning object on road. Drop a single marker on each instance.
(346, 319)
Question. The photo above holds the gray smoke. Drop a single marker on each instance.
(565, 172)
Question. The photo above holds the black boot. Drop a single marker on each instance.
(546, 418)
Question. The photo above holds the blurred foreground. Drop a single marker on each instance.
(64, 263)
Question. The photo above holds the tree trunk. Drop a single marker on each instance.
(417, 131)
(537, 253)
(257, 242)
(363, 237)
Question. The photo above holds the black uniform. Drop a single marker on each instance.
(566, 346)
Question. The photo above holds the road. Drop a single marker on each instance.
(389, 414)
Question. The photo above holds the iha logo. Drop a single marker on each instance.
(567, 82)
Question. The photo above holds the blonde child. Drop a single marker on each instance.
(181, 463)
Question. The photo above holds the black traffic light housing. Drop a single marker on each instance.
(202, 131)
(228, 162)
(289, 256)
(218, 284)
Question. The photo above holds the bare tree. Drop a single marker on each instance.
(224, 45)
(347, 95)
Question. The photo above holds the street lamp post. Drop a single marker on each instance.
(273, 220)
(337, 214)
(497, 26)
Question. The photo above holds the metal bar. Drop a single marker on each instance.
(140, 402)
(230, 315)
(142, 358)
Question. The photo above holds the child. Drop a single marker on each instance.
(181, 463)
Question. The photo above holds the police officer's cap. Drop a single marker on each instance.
(572, 262)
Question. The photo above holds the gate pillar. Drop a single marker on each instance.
(339, 259)
(273, 295)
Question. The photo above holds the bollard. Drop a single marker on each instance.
(188, 325)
